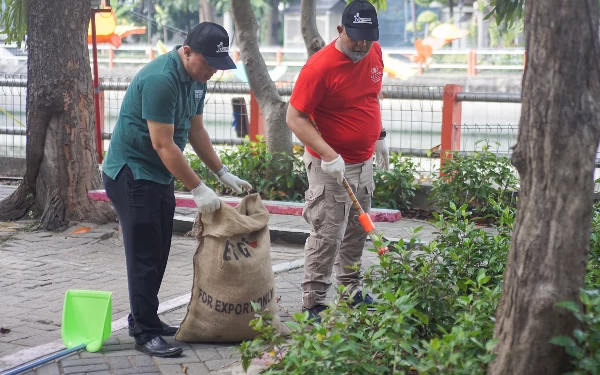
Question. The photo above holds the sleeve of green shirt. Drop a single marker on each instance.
(159, 98)
(200, 109)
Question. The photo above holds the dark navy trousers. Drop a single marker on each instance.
(145, 209)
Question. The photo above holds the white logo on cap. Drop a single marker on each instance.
(221, 48)
(358, 19)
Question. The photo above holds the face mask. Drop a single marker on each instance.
(354, 56)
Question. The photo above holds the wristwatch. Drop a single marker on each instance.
(221, 171)
(382, 134)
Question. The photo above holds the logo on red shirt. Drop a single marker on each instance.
(376, 74)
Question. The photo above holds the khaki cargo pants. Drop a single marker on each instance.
(337, 238)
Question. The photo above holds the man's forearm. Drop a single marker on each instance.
(202, 145)
(173, 159)
(309, 136)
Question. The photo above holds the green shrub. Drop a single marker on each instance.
(436, 311)
(476, 180)
(395, 188)
(435, 314)
(592, 277)
(584, 345)
(283, 177)
(275, 177)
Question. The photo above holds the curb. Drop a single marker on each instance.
(31, 354)
(273, 207)
(184, 224)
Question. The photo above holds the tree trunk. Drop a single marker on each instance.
(273, 24)
(483, 25)
(61, 155)
(150, 19)
(310, 33)
(557, 142)
(413, 12)
(206, 11)
(279, 136)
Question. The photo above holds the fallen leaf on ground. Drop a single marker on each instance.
(82, 230)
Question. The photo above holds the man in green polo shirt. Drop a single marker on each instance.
(162, 111)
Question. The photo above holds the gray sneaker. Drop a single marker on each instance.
(359, 299)
(313, 312)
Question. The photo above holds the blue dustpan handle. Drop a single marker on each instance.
(38, 362)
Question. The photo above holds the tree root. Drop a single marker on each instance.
(17, 205)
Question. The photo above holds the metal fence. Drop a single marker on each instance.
(412, 116)
(444, 59)
(12, 116)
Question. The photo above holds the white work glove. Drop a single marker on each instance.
(382, 155)
(335, 168)
(206, 200)
(234, 182)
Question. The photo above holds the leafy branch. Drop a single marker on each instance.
(509, 11)
(13, 20)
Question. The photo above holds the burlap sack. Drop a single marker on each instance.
(232, 267)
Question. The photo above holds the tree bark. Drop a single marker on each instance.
(279, 136)
(557, 142)
(61, 160)
(308, 19)
(206, 11)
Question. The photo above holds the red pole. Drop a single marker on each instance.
(96, 90)
(451, 122)
(101, 112)
(472, 63)
(95, 83)
(257, 121)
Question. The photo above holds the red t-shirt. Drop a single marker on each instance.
(343, 99)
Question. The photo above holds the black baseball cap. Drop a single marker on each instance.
(360, 21)
(212, 42)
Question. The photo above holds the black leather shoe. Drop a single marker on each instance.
(158, 347)
(167, 330)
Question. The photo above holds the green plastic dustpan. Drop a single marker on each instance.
(86, 319)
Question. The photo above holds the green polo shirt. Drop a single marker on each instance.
(163, 92)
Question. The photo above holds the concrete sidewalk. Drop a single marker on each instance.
(39, 267)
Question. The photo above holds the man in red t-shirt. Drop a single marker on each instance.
(339, 87)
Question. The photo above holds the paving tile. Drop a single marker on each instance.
(72, 362)
(218, 364)
(116, 363)
(208, 354)
(48, 369)
(137, 370)
(84, 369)
(186, 357)
(141, 360)
(186, 368)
